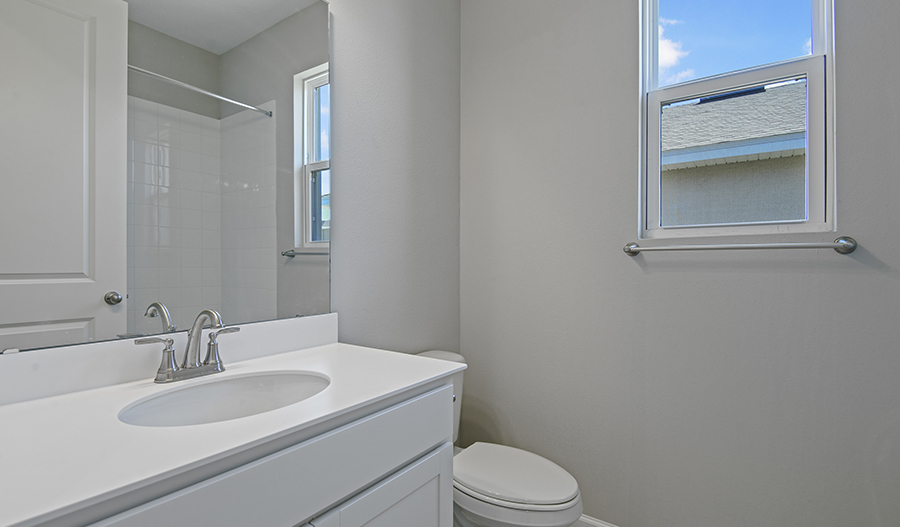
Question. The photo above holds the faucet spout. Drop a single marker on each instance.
(192, 352)
(158, 309)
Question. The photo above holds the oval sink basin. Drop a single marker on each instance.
(224, 399)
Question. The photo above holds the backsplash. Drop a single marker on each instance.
(66, 369)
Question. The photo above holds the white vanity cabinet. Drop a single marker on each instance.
(390, 468)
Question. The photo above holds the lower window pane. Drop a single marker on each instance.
(735, 157)
(320, 205)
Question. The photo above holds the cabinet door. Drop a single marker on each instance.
(63, 103)
(421, 494)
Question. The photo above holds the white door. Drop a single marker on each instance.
(63, 140)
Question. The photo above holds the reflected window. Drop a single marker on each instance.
(312, 153)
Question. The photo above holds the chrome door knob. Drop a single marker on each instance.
(112, 298)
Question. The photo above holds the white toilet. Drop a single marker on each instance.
(502, 486)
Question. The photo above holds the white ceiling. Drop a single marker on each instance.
(214, 25)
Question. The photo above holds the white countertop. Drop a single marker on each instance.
(68, 452)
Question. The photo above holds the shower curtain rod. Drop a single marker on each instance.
(198, 90)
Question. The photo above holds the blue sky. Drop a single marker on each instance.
(699, 38)
(325, 134)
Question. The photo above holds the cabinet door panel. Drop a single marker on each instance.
(420, 494)
(420, 508)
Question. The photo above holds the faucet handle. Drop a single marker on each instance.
(153, 340)
(214, 334)
(167, 367)
(212, 349)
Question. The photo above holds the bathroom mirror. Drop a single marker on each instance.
(215, 192)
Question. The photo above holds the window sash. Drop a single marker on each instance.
(317, 233)
(311, 116)
(306, 200)
(813, 69)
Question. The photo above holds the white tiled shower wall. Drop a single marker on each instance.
(249, 250)
(176, 227)
(173, 214)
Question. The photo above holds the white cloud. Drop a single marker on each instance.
(668, 21)
(680, 77)
(670, 52)
(807, 48)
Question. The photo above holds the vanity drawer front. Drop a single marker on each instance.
(291, 486)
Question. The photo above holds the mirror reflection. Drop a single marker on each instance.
(214, 192)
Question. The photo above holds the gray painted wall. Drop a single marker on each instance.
(681, 389)
(260, 70)
(395, 165)
(157, 52)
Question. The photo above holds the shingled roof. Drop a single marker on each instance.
(774, 111)
(757, 124)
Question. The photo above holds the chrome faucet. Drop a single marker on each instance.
(191, 366)
(158, 309)
(192, 351)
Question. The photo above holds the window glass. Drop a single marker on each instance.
(322, 124)
(320, 205)
(735, 157)
(701, 38)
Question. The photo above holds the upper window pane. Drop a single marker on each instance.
(322, 124)
(701, 38)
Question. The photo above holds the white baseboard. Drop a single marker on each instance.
(587, 521)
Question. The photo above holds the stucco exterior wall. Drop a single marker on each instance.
(766, 190)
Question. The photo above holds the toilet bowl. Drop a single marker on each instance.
(501, 486)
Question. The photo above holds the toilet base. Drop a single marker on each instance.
(461, 518)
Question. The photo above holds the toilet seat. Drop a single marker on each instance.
(501, 486)
(460, 489)
(512, 478)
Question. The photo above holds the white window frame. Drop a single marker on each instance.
(305, 85)
(818, 68)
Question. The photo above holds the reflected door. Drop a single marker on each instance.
(62, 206)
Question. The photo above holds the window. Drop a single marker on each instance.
(737, 117)
(312, 155)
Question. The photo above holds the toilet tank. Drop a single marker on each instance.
(456, 379)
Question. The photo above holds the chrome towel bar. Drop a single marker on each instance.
(843, 245)
(292, 253)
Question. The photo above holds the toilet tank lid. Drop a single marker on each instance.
(513, 475)
(443, 355)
